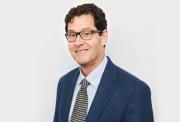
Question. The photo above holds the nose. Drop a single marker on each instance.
(79, 40)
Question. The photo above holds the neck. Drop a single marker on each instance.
(86, 69)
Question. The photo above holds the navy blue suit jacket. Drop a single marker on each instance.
(120, 97)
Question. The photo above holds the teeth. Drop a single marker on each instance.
(82, 51)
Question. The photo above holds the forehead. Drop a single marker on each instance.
(79, 23)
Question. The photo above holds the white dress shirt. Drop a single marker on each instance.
(94, 79)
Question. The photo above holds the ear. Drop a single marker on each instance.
(104, 37)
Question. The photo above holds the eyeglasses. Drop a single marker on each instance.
(85, 35)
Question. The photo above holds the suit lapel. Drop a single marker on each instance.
(68, 90)
(104, 92)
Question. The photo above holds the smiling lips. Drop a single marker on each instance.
(81, 51)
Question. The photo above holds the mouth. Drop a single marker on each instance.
(81, 51)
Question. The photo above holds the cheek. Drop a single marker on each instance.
(95, 50)
(70, 47)
(97, 45)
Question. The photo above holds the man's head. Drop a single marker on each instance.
(86, 34)
(96, 12)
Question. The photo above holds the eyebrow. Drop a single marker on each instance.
(81, 29)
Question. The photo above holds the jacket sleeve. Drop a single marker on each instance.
(139, 107)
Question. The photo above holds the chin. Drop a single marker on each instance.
(82, 62)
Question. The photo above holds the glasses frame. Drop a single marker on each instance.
(80, 34)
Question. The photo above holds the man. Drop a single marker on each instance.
(98, 90)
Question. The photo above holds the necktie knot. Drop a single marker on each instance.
(84, 83)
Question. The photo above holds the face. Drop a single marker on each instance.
(87, 53)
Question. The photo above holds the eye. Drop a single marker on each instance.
(86, 33)
(71, 34)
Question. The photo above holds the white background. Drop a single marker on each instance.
(144, 39)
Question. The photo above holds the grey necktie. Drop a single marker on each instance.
(81, 104)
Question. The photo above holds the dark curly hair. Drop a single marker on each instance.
(89, 8)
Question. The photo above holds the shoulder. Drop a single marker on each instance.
(68, 76)
(127, 80)
(130, 79)
(130, 87)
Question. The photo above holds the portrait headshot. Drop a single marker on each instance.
(89, 61)
(97, 90)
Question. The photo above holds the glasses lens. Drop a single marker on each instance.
(86, 35)
(71, 36)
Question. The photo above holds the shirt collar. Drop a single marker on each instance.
(95, 76)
